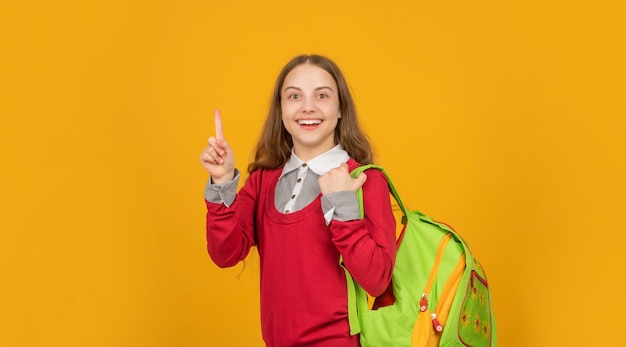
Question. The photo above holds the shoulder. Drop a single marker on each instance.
(374, 176)
(376, 191)
(262, 174)
(353, 164)
(258, 181)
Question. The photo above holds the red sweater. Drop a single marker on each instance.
(303, 288)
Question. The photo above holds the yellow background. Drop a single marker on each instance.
(504, 118)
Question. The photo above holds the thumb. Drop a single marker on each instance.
(360, 180)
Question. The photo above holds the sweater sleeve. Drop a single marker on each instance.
(368, 245)
(230, 230)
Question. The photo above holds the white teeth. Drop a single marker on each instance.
(309, 121)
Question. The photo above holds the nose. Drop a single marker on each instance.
(308, 105)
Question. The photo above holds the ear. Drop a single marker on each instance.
(339, 116)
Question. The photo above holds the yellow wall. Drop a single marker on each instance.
(504, 118)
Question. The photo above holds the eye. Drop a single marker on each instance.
(293, 96)
(322, 96)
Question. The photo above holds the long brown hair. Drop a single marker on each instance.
(275, 143)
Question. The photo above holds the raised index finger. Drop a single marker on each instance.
(219, 132)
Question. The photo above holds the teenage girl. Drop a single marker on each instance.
(299, 208)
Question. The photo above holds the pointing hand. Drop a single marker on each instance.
(217, 158)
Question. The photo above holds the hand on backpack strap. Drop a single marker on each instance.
(339, 179)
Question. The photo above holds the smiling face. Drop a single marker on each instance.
(310, 110)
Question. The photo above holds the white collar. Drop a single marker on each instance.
(320, 164)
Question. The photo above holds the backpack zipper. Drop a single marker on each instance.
(433, 272)
(456, 275)
(448, 290)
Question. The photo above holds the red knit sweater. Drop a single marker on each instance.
(303, 288)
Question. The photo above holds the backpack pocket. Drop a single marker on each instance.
(475, 320)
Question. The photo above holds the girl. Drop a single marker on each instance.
(299, 207)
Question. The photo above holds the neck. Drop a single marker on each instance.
(307, 153)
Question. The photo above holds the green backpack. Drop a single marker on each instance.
(438, 296)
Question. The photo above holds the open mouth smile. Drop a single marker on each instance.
(310, 121)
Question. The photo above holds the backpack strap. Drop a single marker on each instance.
(355, 300)
(392, 189)
(357, 297)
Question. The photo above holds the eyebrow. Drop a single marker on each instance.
(316, 89)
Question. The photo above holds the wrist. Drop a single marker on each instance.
(229, 176)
